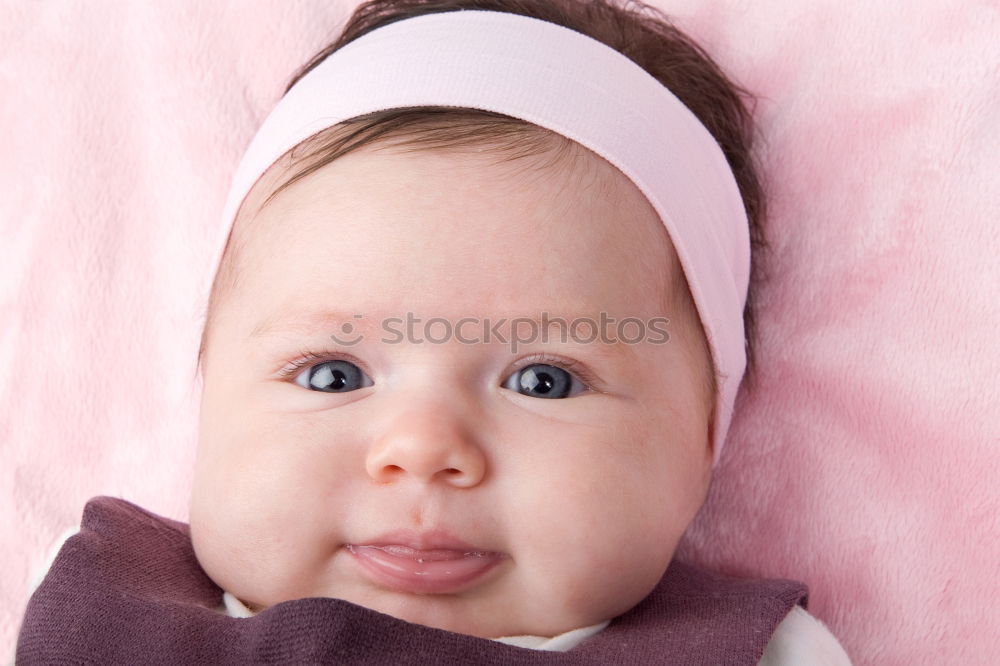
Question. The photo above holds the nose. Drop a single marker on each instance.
(428, 444)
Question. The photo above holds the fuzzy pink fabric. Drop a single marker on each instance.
(864, 460)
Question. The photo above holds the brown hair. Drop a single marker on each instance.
(640, 32)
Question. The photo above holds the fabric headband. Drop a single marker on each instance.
(568, 83)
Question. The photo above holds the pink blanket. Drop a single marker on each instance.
(864, 461)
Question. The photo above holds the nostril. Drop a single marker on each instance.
(451, 471)
(389, 472)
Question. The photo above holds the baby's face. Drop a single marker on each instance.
(447, 483)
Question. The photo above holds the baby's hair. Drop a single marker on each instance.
(641, 32)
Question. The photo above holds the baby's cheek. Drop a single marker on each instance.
(245, 540)
(218, 546)
(600, 541)
(232, 514)
(267, 521)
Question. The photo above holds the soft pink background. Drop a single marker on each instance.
(865, 461)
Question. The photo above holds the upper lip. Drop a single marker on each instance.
(427, 540)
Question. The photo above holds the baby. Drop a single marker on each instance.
(469, 360)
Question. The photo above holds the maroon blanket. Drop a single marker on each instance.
(127, 589)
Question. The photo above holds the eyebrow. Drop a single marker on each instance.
(305, 323)
(309, 323)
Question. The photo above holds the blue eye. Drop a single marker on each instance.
(333, 377)
(542, 380)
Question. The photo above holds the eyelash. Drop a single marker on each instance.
(309, 358)
(567, 364)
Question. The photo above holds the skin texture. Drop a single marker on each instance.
(586, 496)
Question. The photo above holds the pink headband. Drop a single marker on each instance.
(566, 82)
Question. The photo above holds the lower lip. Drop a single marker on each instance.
(423, 572)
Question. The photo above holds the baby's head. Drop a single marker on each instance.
(467, 473)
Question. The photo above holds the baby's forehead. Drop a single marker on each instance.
(531, 222)
(568, 177)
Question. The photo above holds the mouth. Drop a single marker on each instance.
(427, 563)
